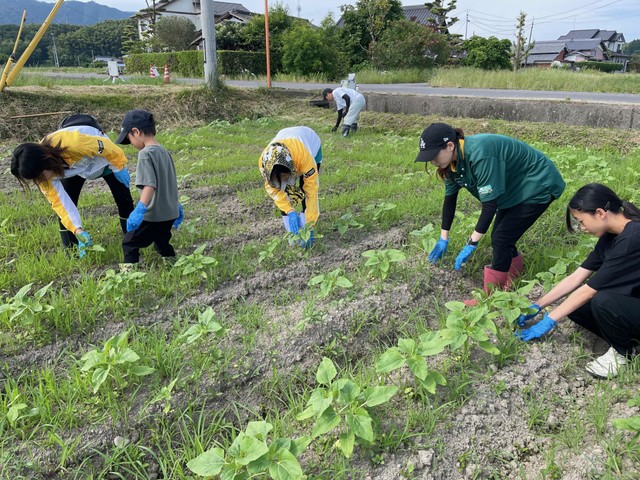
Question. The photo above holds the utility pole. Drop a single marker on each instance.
(266, 34)
(208, 21)
(55, 51)
(466, 25)
(531, 31)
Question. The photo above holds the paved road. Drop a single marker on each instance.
(417, 89)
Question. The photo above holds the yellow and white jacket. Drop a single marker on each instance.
(303, 166)
(88, 152)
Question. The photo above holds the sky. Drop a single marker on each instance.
(550, 18)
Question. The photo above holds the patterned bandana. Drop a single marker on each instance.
(275, 154)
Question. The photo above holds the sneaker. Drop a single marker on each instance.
(127, 267)
(607, 365)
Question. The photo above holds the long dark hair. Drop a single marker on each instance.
(30, 160)
(443, 173)
(594, 196)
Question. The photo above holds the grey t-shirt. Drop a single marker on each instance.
(156, 169)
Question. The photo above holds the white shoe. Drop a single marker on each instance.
(607, 365)
(127, 267)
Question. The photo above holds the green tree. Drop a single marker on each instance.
(230, 36)
(363, 23)
(443, 21)
(306, 51)
(632, 47)
(487, 53)
(279, 22)
(406, 44)
(174, 33)
(520, 47)
(131, 42)
(634, 63)
(81, 45)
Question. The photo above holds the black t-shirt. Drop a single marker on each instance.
(616, 262)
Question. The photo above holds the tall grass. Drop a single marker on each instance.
(536, 79)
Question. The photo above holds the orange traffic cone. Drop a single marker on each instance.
(151, 71)
(166, 73)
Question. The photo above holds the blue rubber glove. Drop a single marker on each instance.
(84, 241)
(538, 330)
(123, 177)
(523, 318)
(464, 255)
(294, 221)
(178, 221)
(439, 250)
(136, 217)
(309, 243)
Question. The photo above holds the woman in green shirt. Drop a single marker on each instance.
(514, 182)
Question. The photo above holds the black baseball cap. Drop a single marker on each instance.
(134, 119)
(434, 137)
(326, 92)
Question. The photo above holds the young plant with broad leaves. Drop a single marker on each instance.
(329, 281)
(377, 209)
(303, 235)
(251, 456)
(632, 423)
(115, 361)
(206, 325)
(196, 263)
(345, 222)
(114, 284)
(13, 409)
(379, 261)
(24, 309)
(508, 304)
(466, 324)
(414, 355)
(343, 404)
(425, 240)
(269, 252)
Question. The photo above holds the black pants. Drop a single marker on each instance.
(508, 226)
(613, 317)
(158, 233)
(121, 195)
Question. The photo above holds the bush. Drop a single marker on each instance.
(601, 66)
(307, 51)
(406, 44)
(487, 53)
(190, 63)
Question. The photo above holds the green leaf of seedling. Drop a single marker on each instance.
(632, 423)
(360, 423)
(316, 280)
(432, 343)
(407, 345)
(127, 356)
(285, 466)
(259, 429)
(300, 444)
(345, 443)
(207, 464)
(390, 360)
(327, 422)
(489, 347)
(418, 366)
(343, 282)
(99, 376)
(378, 395)
(326, 372)
(141, 370)
(248, 449)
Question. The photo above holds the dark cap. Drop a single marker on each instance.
(434, 137)
(134, 119)
(326, 92)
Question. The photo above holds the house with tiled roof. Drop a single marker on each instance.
(222, 11)
(414, 13)
(543, 54)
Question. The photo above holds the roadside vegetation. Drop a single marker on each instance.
(251, 357)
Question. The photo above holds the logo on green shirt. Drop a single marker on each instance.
(486, 190)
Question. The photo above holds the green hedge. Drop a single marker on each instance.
(602, 66)
(190, 63)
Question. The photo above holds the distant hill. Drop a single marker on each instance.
(71, 12)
